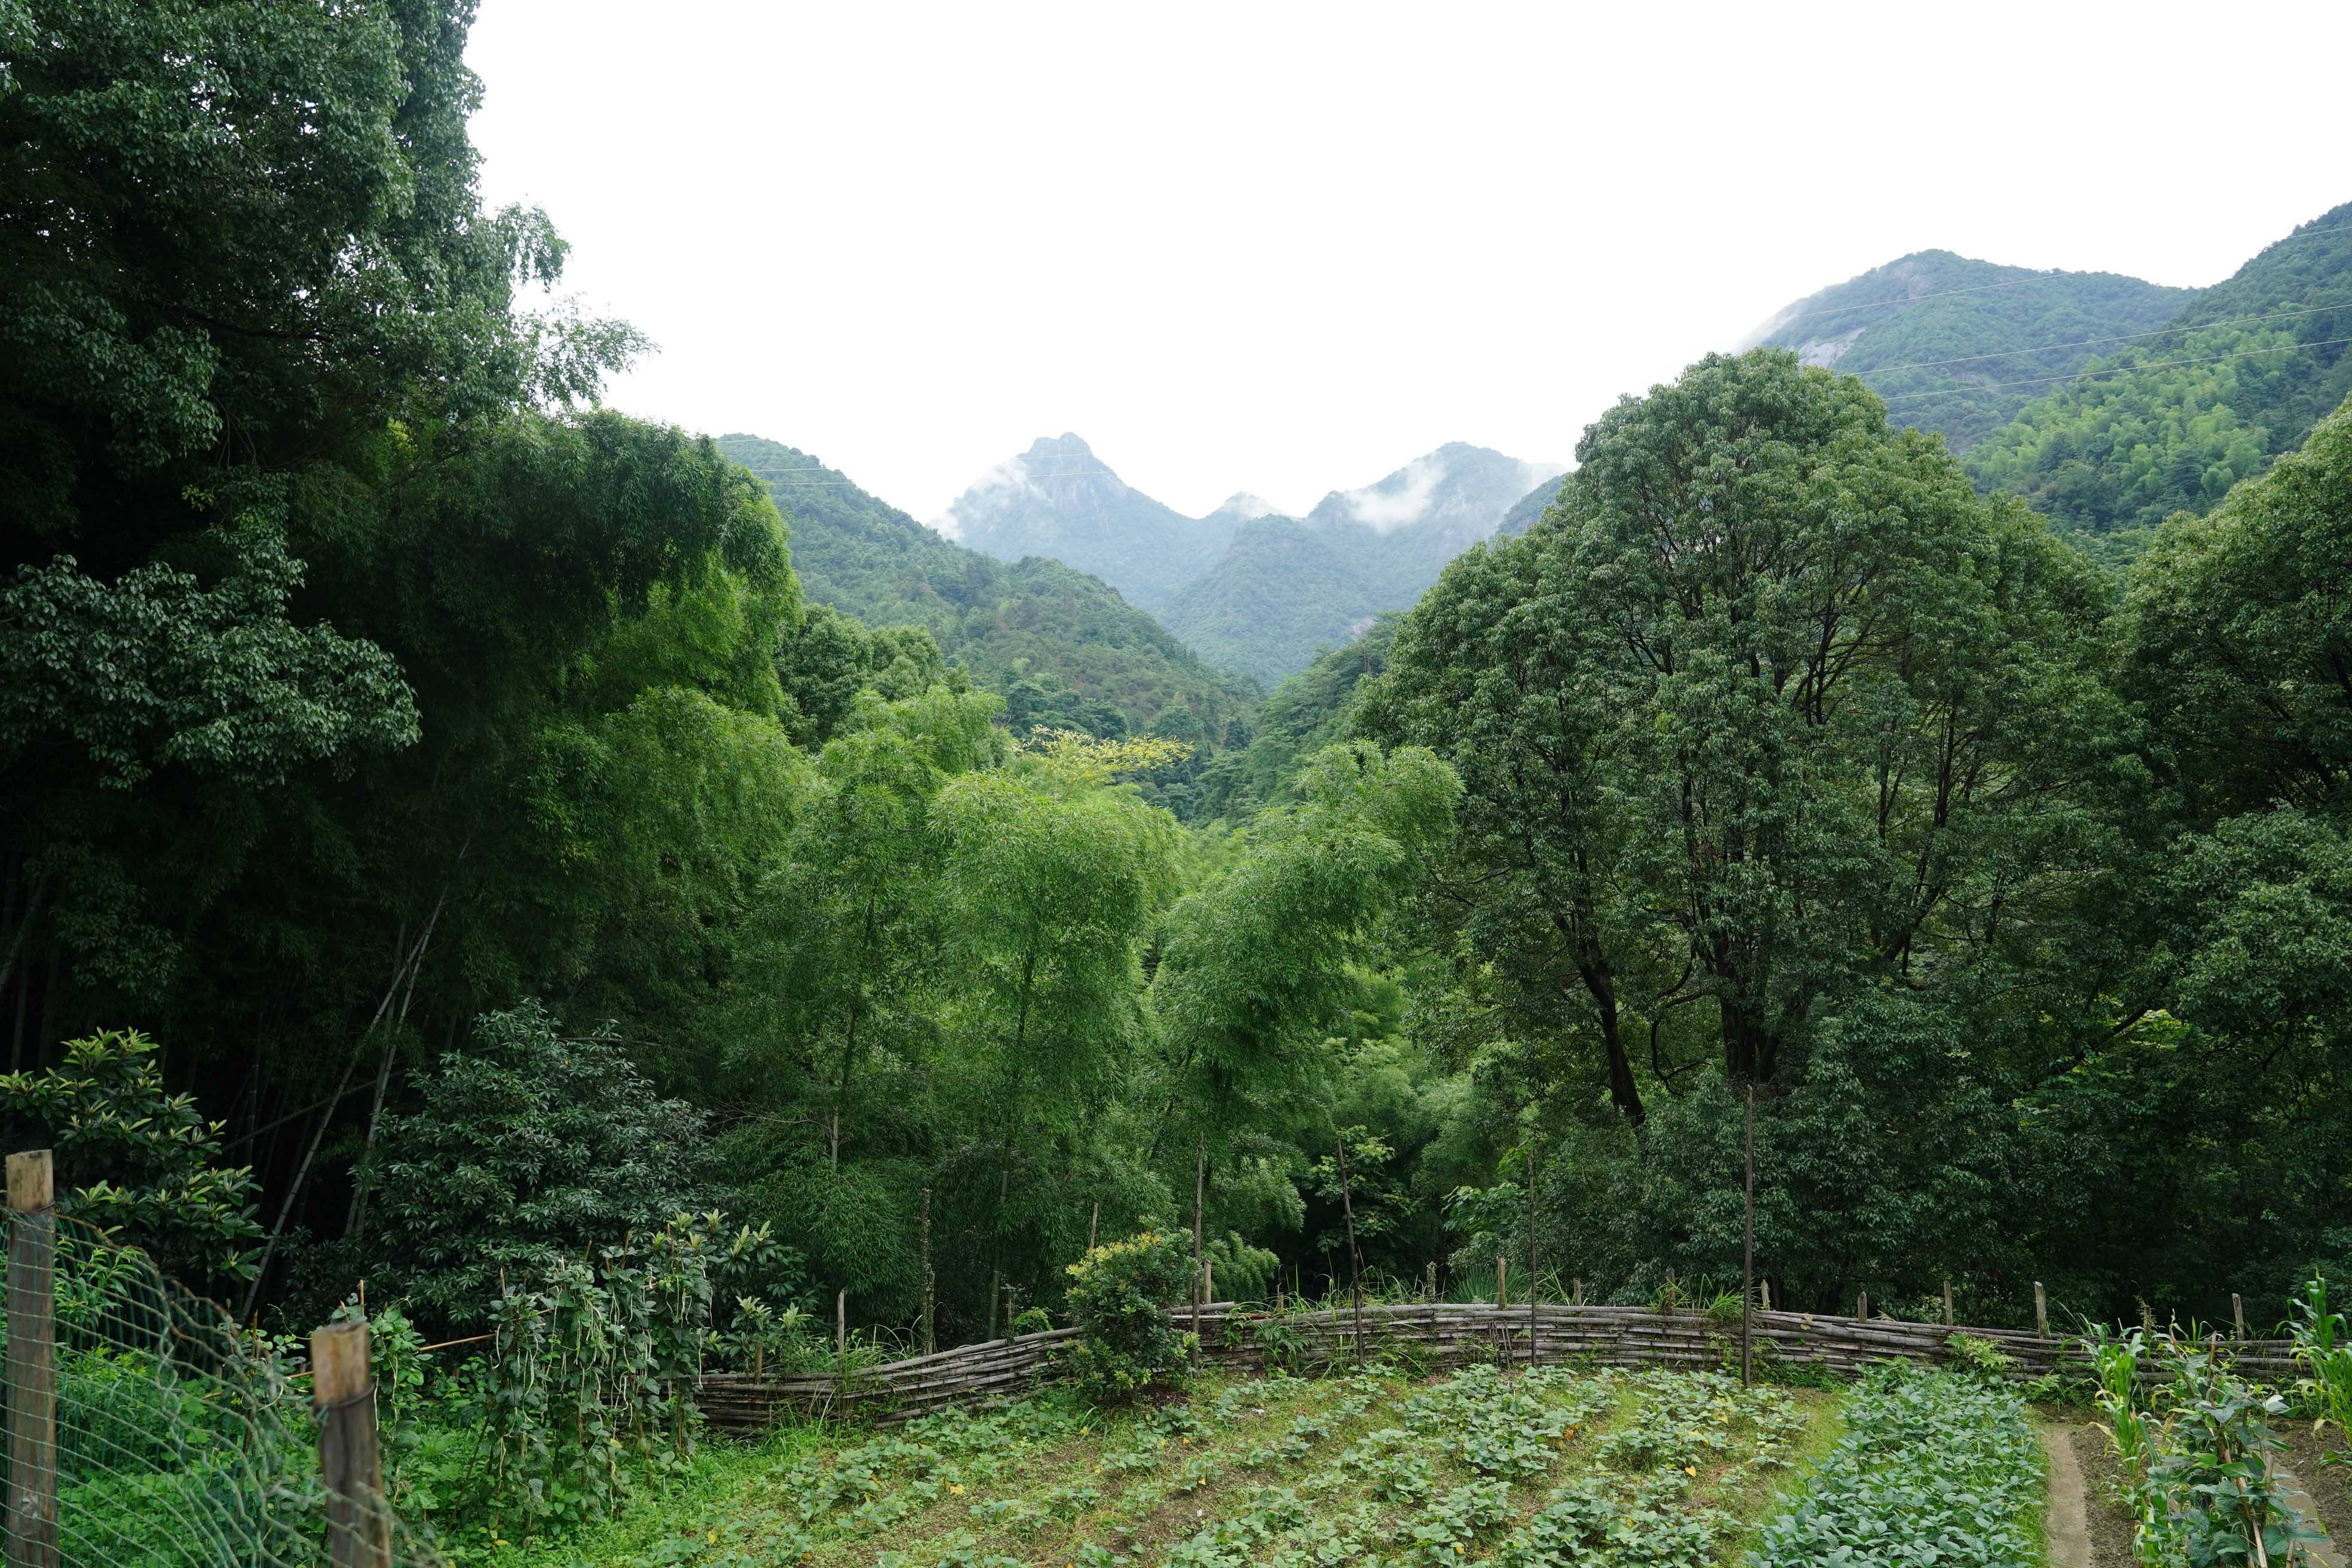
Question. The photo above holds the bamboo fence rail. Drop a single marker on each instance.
(1445, 1334)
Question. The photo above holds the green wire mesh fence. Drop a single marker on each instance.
(146, 1430)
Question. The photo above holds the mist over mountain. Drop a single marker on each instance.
(1059, 501)
(1247, 588)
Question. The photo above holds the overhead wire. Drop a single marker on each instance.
(2126, 338)
(2118, 370)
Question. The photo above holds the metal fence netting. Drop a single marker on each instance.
(146, 1430)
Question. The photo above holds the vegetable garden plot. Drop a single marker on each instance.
(1530, 1470)
(1934, 1468)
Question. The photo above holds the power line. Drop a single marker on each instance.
(2093, 342)
(2118, 370)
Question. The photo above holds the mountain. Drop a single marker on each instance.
(1062, 647)
(1528, 507)
(2171, 422)
(1283, 589)
(1060, 502)
(1959, 346)
(1287, 587)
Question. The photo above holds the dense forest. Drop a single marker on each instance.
(423, 781)
(2173, 421)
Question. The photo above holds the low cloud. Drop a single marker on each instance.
(1013, 474)
(1403, 498)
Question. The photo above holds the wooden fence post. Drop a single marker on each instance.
(930, 1338)
(350, 1461)
(1579, 1297)
(1862, 1305)
(1430, 1291)
(1502, 1282)
(1947, 1303)
(1208, 1281)
(31, 1362)
(1764, 1294)
(2238, 1312)
(2041, 1311)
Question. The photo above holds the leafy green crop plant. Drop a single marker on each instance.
(1935, 1466)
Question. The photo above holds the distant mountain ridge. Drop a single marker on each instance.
(1959, 346)
(1062, 647)
(1059, 500)
(1247, 588)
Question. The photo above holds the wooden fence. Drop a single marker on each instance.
(1444, 1334)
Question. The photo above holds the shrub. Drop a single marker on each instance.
(1119, 1296)
(136, 1162)
(527, 1148)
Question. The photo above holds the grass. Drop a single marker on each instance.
(1518, 1468)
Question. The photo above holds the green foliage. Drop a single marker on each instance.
(160, 669)
(1304, 714)
(1747, 717)
(1931, 1462)
(133, 1159)
(1119, 1301)
(2324, 1348)
(2237, 631)
(1974, 1353)
(523, 1152)
(1254, 967)
(2173, 422)
(2208, 1493)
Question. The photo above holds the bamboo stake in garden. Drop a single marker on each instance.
(930, 1340)
(1748, 1249)
(1355, 1258)
(1533, 1277)
(1199, 1195)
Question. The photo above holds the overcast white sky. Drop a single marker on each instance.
(1286, 247)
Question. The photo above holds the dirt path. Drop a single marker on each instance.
(2069, 1527)
(2329, 1555)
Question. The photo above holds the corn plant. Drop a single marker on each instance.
(2214, 1499)
(2324, 1349)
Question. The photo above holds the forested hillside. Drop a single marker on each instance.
(1959, 346)
(1282, 591)
(471, 864)
(2173, 421)
(1063, 649)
